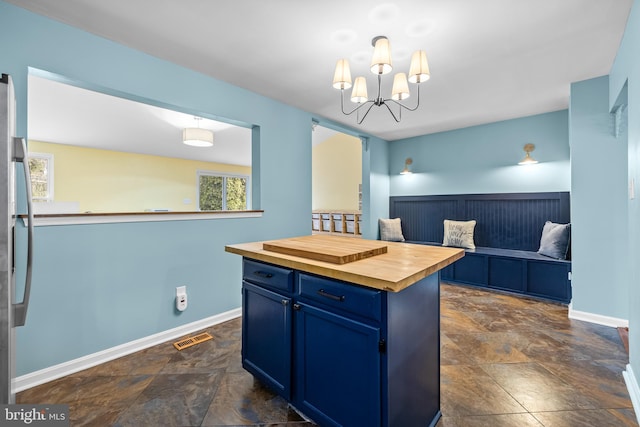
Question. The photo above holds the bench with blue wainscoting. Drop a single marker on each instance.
(507, 238)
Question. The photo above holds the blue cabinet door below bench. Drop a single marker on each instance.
(507, 274)
(520, 272)
(472, 269)
(549, 280)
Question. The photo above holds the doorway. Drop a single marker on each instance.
(336, 182)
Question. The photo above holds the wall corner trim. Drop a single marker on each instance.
(634, 390)
(51, 373)
(599, 319)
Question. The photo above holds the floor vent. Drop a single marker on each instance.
(191, 341)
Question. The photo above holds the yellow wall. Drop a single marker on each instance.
(112, 181)
(337, 172)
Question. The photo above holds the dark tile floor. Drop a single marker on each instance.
(506, 361)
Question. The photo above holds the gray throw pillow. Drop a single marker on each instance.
(459, 234)
(391, 230)
(554, 242)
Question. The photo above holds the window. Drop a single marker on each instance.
(41, 169)
(222, 192)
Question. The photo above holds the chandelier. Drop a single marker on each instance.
(381, 64)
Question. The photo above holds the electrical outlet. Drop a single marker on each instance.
(181, 298)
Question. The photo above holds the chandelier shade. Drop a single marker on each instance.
(359, 92)
(419, 69)
(381, 64)
(400, 90)
(381, 61)
(342, 75)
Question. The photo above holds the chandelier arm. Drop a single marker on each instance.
(368, 109)
(355, 109)
(396, 118)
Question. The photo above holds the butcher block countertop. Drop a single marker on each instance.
(401, 265)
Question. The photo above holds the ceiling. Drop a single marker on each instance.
(63, 114)
(490, 60)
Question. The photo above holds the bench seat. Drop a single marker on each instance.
(516, 271)
(503, 220)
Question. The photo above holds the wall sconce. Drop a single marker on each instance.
(406, 169)
(528, 160)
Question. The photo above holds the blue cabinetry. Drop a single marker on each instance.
(337, 368)
(266, 324)
(523, 272)
(344, 354)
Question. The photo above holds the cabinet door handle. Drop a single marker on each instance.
(322, 293)
(263, 274)
(285, 302)
(297, 307)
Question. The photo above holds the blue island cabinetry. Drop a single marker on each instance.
(341, 353)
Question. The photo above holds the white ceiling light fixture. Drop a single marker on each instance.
(197, 137)
(381, 64)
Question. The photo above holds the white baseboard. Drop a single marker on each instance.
(51, 373)
(599, 319)
(634, 390)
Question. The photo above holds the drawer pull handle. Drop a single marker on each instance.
(263, 274)
(322, 293)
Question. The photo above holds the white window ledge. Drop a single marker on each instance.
(118, 217)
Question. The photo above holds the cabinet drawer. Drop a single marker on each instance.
(342, 296)
(267, 275)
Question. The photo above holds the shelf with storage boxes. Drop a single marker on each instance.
(336, 222)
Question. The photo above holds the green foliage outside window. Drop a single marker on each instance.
(39, 178)
(236, 194)
(222, 193)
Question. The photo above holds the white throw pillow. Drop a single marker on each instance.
(459, 234)
(391, 230)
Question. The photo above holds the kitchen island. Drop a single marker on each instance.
(347, 330)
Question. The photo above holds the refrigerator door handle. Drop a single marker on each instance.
(20, 155)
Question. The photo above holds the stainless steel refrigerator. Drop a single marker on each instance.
(13, 312)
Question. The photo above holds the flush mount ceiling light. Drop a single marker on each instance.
(381, 64)
(407, 163)
(528, 160)
(197, 137)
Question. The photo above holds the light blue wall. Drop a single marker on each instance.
(483, 159)
(97, 286)
(626, 70)
(598, 203)
(376, 174)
